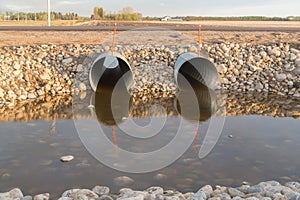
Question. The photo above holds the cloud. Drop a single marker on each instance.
(69, 2)
(16, 7)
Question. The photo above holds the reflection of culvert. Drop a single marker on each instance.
(195, 68)
(206, 101)
(108, 69)
(102, 102)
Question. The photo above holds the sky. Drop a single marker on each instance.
(280, 8)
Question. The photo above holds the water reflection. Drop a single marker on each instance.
(128, 106)
(261, 147)
(237, 104)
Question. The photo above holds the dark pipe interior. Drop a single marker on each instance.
(110, 76)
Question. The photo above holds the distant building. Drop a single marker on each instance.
(168, 18)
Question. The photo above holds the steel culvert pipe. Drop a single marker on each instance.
(108, 69)
(195, 69)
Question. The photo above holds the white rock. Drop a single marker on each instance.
(263, 54)
(85, 194)
(17, 72)
(290, 83)
(69, 193)
(101, 190)
(297, 71)
(280, 77)
(294, 51)
(79, 68)
(293, 57)
(45, 76)
(222, 68)
(235, 72)
(15, 193)
(259, 86)
(67, 158)
(67, 61)
(155, 190)
(253, 68)
(274, 52)
(233, 79)
(297, 95)
(11, 94)
(40, 92)
(193, 49)
(44, 196)
(17, 66)
(31, 96)
(22, 97)
(289, 67)
(82, 87)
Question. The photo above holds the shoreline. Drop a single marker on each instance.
(268, 190)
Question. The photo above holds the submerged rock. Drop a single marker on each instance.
(123, 180)
(67, 158)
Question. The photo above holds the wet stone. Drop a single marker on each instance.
(255, 189)
(105, 197)
(85, 194)
(101, 190)
(207, 189)
(235, 192)
(27, 198)
(12, 194)
(155, 190)
(70, 193)
(44, 196)
(200, 195)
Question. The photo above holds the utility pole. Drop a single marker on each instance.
(18, 16)
(49, 14)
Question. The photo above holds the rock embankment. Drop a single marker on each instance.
(268, 190)
(29, 72)
(268, 68)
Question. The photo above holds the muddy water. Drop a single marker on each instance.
(251, 147)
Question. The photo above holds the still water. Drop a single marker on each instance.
(260, 141)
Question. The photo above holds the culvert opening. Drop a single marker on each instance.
(196, 70)
(107, 70)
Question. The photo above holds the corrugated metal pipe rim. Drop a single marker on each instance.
(195, 68)
(107, 64)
